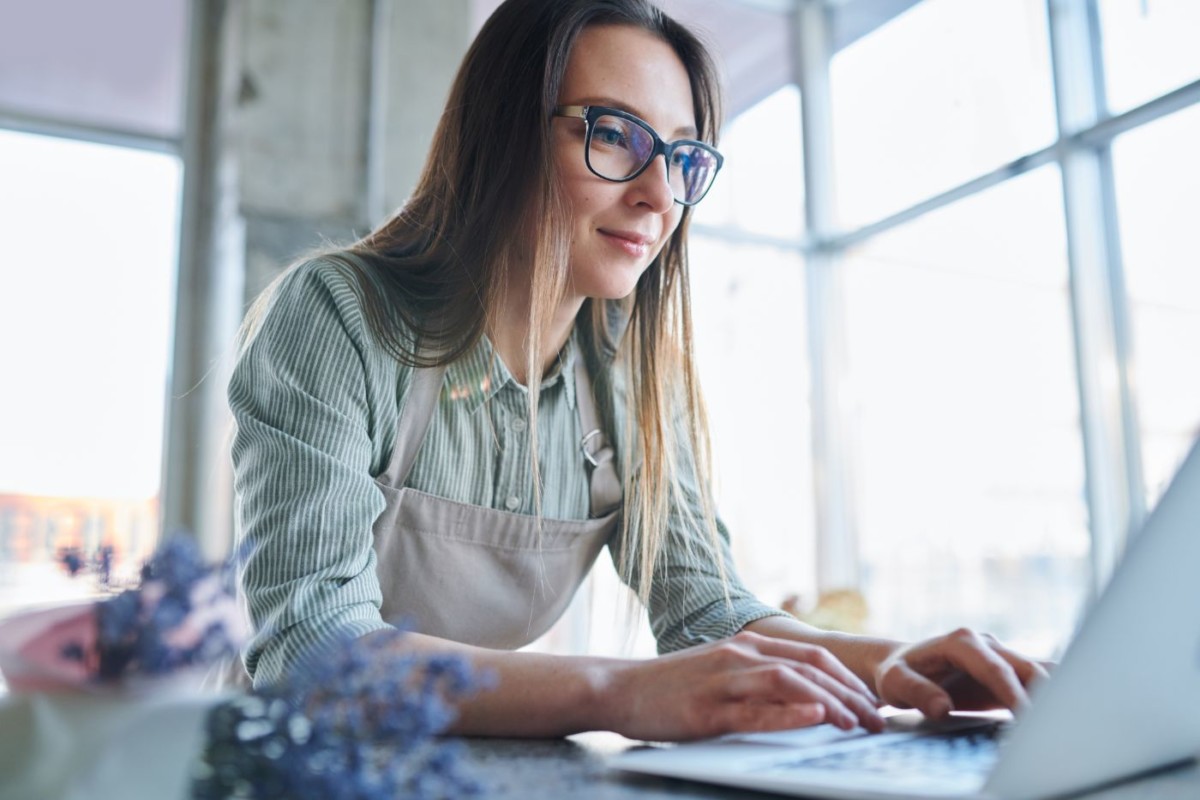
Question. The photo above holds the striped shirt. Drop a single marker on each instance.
(317, 403)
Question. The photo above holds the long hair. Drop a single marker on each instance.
(488, 205)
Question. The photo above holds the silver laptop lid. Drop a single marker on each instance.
(1126, 697)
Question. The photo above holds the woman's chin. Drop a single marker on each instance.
(619, 282)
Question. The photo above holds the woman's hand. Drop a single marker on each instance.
(749, 682)
(963, 670)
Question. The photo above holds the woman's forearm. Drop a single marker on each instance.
(535, 694)
(749, 682)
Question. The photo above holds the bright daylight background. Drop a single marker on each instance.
(86, 292)
(960, 378)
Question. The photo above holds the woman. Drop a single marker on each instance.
(385, 451)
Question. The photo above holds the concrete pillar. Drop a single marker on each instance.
(422, 45)
(336, 112)
(308, 122)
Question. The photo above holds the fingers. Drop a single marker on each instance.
(964, 669)
(979, 657)
(861, 707)
(789, 683)
(910, 689)
(826, 671)
(818, 657)
(1028, 670)
(761, 717)
(760, 683)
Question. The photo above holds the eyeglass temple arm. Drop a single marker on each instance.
(579, 112)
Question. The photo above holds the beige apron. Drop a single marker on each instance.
(480, 575)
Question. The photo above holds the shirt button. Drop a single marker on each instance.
(519, 425)
(512, 503)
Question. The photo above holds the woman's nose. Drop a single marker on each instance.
(652, 188)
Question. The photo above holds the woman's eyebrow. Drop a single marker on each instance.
(682, 132)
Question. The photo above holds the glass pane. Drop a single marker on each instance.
(761, 187)
(1158, 203)
(85, 308)
(942, 93)
(969, 454)
(1149, 48)
(751, 345)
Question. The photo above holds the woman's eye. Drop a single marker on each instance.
(613, 137)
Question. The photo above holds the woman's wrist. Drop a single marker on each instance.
(609, 694)
(861, 654)
(535, 694)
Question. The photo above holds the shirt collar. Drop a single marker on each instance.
(565, 369)
(476, 377)
(480, 375)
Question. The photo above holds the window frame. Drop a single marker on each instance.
(1099, 305)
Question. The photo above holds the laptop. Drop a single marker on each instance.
(1124, 701)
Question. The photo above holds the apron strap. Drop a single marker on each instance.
(414, 422)
(604, 485)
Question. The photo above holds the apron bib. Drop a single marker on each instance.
(480, 575)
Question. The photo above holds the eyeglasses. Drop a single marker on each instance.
(618, 147)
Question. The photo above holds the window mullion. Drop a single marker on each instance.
(1111, 452)
(837, 551)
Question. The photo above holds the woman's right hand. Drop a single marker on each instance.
(745, 683)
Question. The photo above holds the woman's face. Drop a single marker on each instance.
(619, 228)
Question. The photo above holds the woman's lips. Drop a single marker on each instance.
(631, 242)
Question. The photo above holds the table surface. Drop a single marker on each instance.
(156, 738)
(577, 767)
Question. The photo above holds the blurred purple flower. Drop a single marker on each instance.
(177, 563)
(184, 614)
(361, 722)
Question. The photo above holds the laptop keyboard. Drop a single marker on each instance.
(954, 754)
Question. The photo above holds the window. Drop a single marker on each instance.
(1158, 203)
(751, 347)
(1149, 48)
(940, 94)
(761, 188)
(752, 351)
(965, 426)
(86, 292)
(86, 282)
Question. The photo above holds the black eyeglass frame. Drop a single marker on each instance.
(589, 114)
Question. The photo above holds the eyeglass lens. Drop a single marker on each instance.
(619, 147)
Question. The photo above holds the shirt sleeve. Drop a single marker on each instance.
(688, 601)
(303, 450)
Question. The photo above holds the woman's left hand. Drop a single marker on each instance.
(960, 671)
